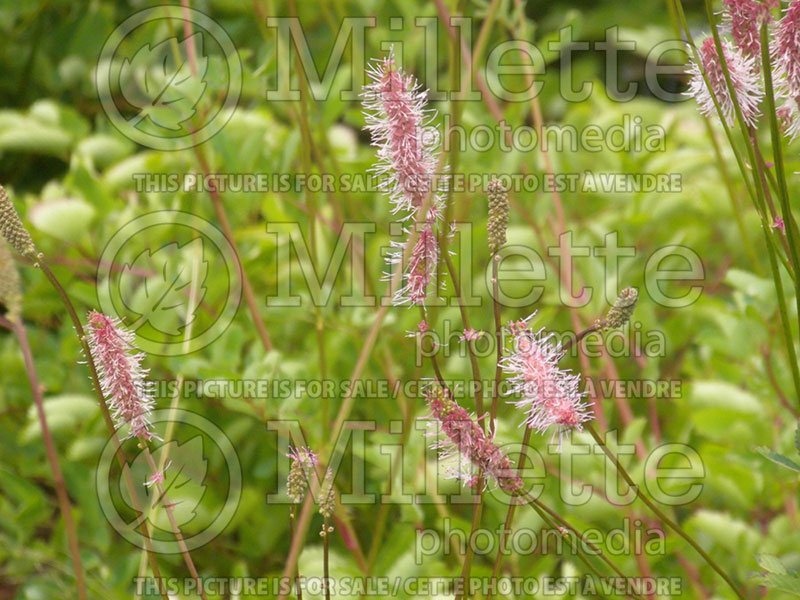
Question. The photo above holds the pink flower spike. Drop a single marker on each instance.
(422, 326)
(122, 379)
(550, 396)
(744, 79)
(785, 52)
(407, 151)
(744, 19)
(779, 224)
(465, 448)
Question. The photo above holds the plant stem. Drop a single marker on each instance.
(498, 340)
(176, 531)
(510, 513)
(660, 514)
(18, 327)
(297, 587)
(119, 453)
(326, 575)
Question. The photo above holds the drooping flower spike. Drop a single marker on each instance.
(464, 448)
(744, 78)
(123, 381)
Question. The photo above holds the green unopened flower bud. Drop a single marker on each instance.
(303, 460)
(10, 290)
(11, 227)
(498, 215)
(327, 495)
(622, 310)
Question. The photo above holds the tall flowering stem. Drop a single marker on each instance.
(15, 324)
(124, 385)
(12, 229)
(407, 150)
(303, 460)
(756, 187)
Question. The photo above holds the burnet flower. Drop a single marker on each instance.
(407, 149)
(303, 459)
(464, 448)
(744, 78)
(549, 396)
(744, 18)
(785, 52)
(122, 379)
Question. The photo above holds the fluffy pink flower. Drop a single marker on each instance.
(421, 268)
(406, 142)
(400, 128)
(744, 79)
(785, 52)
(470, 335)
(550, 396)
(779, 224)
(744, 19)
(122, 379)
(464, 443)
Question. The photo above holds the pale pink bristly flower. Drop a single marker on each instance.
(785, 50)
(469, 335)
(744, 78)
(743, 19)
(464, 444)
(550, 396)
(122, 379)
(421, 267)
(406, 142)
(779, 224)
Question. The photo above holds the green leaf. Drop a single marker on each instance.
(778, 458)
(67, 219)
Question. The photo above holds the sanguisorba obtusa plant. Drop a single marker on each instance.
(548, 396)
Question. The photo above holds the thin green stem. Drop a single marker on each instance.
(298, 589)
(498, 340)
(326, 584)
(661, 515)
